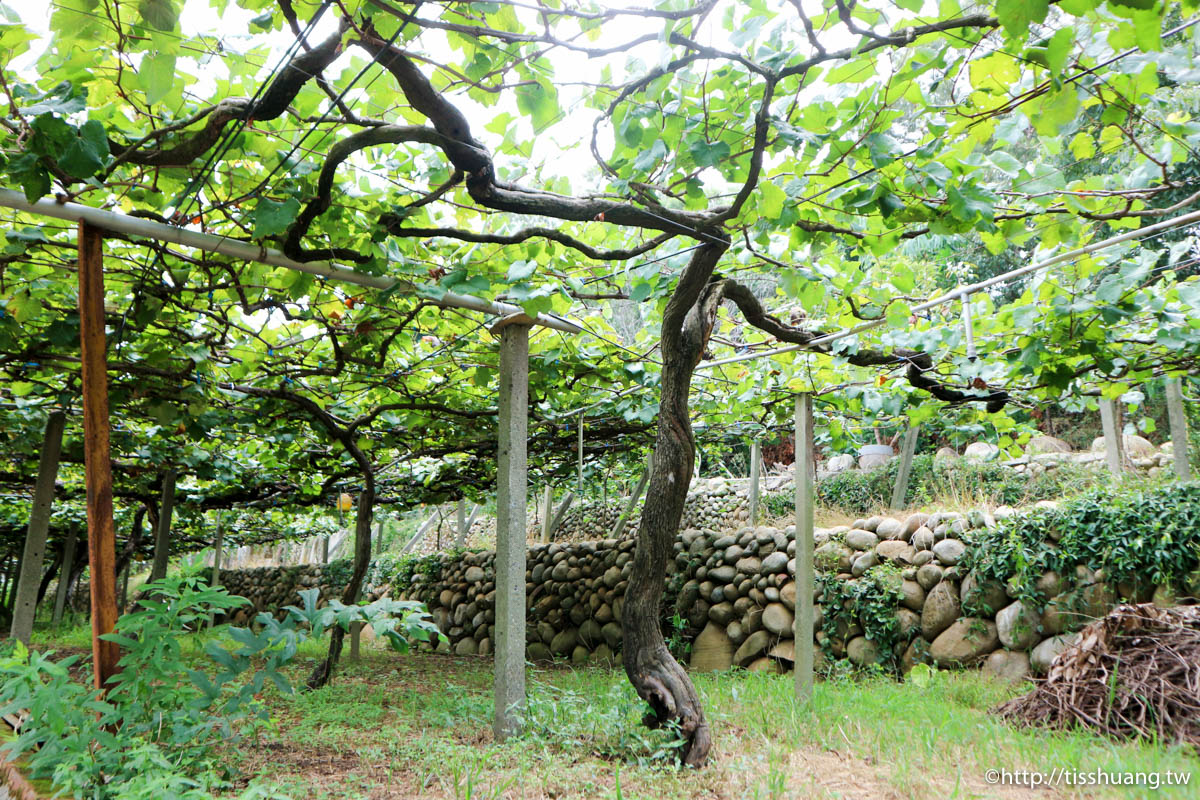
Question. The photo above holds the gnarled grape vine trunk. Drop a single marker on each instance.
(362, 561)
(658, 678)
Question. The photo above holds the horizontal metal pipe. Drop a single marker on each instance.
(150, 229)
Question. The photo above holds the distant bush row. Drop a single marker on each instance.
(954, 482)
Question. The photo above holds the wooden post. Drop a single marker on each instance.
(1178, 423)
(907, 450)
(162, 534)
(804, 548)
(548, 514)
(619, 528)
(511, 503)
(1114, 444)
(39, 527)
(755, 462)
(64, 575)
(102, 550)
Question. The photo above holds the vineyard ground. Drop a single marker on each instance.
(419, 725)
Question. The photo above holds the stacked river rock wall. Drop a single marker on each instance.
(714, 503)
(734, 591)
(731, 598)
(274, 588)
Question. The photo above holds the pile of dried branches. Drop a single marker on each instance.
(1133, 674)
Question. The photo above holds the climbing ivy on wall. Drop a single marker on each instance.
(869, 602)
(1145, 537)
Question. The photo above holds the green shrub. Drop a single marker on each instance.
(153, 734)
(398, 570)
(1144, 537)
(780, 504)
(858, 492)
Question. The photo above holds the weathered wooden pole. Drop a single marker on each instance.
(804, 548)
(755, 462)
(1177, 418)
(511, 502)
(102, 550)
(162, 533)
(64, 575)
(907, 451)
(39, 527)
(1114, 445)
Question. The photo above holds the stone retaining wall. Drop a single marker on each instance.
(734, 595)
(711, 503)
(274, 588)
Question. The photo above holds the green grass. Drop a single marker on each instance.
(419, 725)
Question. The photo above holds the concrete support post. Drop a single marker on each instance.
(218, 541)
(619, 528)
(1178, 423)
(39, 527)
(64, 575)
(465, 528)
(907, 451)
(548, 513)
(123, 605)
(460, 522)
(1114, 441)
(421, 531)
(579, 487)
(162, 534)
(755, 469)
(511, 504)
(804, 548)
(561, 512)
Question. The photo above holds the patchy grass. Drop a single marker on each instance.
(420, 726)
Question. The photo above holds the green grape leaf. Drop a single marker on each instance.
(272, 218)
